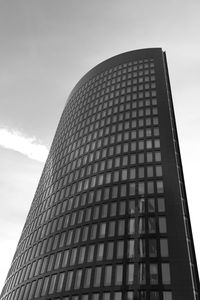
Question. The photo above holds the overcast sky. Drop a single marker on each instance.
(46, 47)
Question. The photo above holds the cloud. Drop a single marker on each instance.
(15, 140)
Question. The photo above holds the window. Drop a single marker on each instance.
(132, 173)
(121, 227)
(132, 189)
(142, 273)
(69, 280)
(85, 233)
(161, 205)
(158, 171)
(130, 274)
(73, 256)
(97, 276)
(141, 205)
(108, 275)
(150, 187)
(141, 226)
(118, 274)
(149, 171)
(65, 258)
(151, 205)
(81, 254)
(87, 279)
(131, 206)
(113, 209)
(131, 228)
(104, 211)
(106, 296)
(100, 251)
(111, 229)
(167, 295)
(142, 248)
(45, 285)
(152, 248)
(38, 288)
(123, 190)
(154, 295)
(165, 273)
(149, 144)
(95, 296)
(162, 225)
(160, 188)
(149, 156)
(90, 253)
(122, 208)
(110, 248)
(96, 213)
(130, 295)
(120, 249)
(131, 248)
(152, 225)
(141, 158)
(157, 143)
(164, 248)
(157, 156)
(116, 176)
(78, 277)
(141, 188)
(141, 172)
(153, 273)
(117, 296)
(93, 232)
(102, 230)
(124, 174)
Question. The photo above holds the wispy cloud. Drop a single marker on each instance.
(17, 141)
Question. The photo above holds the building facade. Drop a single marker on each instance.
(109, 219)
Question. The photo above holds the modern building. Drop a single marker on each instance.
(110, 220)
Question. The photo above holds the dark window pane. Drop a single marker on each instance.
(152, 248)
(142, 273)
(154, 296)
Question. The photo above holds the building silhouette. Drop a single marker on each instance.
(109, 219)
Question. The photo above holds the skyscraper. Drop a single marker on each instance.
(109, 219)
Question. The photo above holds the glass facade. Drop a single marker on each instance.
(111, 198)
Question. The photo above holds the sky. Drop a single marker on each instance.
(46, 47)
